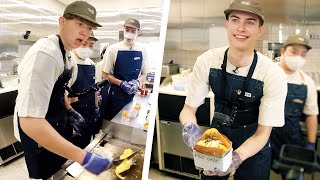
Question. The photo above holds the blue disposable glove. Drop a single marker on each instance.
(99, 99)
(126, 87)
(76, 120)
(97, 114)
(135, 84)
(310, 146)
(190, 134)
(235, 163)
(96, 164)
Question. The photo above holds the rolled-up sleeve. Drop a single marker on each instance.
(145, 68)
(311, 106)
(36, 84)
(109, 59)
(198, 83)
(271, 110)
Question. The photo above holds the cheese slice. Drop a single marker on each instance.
(126, 153)
(125, 165)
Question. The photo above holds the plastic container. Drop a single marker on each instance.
(179, 82)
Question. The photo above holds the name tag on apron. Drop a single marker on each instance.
(299, 101)
(136, 58)
(247, 94)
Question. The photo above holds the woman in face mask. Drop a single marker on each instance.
(301, 99)
(87, 106)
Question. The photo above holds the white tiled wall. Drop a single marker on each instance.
(187, 59)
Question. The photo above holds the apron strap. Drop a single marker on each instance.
(249, 76)
(67, 73)
(63, 51)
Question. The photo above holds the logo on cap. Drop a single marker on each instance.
(245, 3)
(132, 21)
(300, 39)
(91, 11)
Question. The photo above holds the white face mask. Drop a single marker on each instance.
(129, 35)
(84, 53)
(294, 62)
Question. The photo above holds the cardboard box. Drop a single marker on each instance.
(208, 162)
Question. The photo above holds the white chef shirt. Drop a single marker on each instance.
(99, 71)
(38, 71)
(271, 110)
(311, 105)
(109, 58)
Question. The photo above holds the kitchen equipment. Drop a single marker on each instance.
(179, 82)
(169, 68)
(9, 146)
(111, 146)
(173, 154)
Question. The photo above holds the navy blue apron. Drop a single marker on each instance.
(86, 105)
(239, 98)
(290, 133)
(127, 67)
(42, 163)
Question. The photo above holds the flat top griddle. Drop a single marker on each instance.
(114, 147)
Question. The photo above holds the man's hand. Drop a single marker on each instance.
(127, 87)
(76, 120)
(95, 163)
(97, 114)
(135, 83)
(236, 162)
(99, 99)
(190, 134)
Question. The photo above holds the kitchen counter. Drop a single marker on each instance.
(131, 129)
(140, 120)
(166, 87)
(9, 83)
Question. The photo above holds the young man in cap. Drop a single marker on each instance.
(249, 94)
(87, 105)
(301, 98)
(40, 121)
(125, 65)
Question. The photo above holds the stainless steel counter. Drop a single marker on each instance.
(140, 120)
(130, 129)
(118, 134)
(107, 146)
(9, 146)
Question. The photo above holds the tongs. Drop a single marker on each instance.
(117, 160)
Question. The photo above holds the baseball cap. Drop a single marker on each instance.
(297, 39)
(130, 22)
(92, 36)
(250, 6)
(83, 10)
